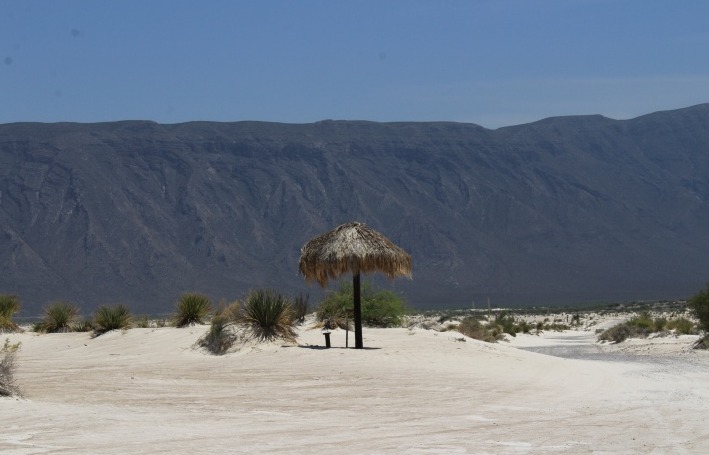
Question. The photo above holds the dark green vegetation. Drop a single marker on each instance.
(9, 306)
(569, 205)
(192, 308)
(268, 316)
(109, 318)
(643, 325)
(7, 369)
(493, 328)
(699, 305)
(265, 315)
(380, 307)
(58, 317)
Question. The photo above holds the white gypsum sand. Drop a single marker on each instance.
(411, 392)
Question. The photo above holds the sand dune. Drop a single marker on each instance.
(411, 392)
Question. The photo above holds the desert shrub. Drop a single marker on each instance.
(524, 326)
(192, 308)
(474, 328)
(300, 307)
(334, 312)
(506, 322)
(660, 324)
(9, 305)
(556, 327)
(699, 306)
(380, 308)
(85, 325)
(58, 317)
(141, 322)
(643, 322)
(7, 369)
(681, 325)
(221, 335)
(109, 318)
(616, 334)
(267, 316)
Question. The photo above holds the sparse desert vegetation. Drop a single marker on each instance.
(9, 306)
(192, 308)
(221, 335)
(264, 316)
(8, 387)
(107, 318)
(267, 316)
(380, 307)
(644, 325)
(58, 317)
(699, 305)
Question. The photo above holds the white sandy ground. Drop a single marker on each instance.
(147, 391)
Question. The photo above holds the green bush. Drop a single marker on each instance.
(506, 321)
(660, 324)
(380, 308)
(643, 325)
(7, 369)
(109, 318)
(699, 305)
(681, 325)
(9, 305)
(192, 309)
(617, 333)
(643, 322)
(58, 317)
(474, 328)
(268, 316)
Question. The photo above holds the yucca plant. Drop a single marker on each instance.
(268, 316)
(9, 305)
(58, 317)
(192, 308)
(109, 318)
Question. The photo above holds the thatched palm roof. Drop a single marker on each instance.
(355, 248)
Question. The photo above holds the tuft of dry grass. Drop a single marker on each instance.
(8, 387)
(221, 335)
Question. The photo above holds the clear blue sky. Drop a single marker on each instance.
(493, 63)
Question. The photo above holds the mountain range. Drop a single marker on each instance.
(565, 210)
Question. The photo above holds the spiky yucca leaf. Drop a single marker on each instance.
(109, 318)
(9, 305)
(268, 316)
(58, 317)
(192, 308)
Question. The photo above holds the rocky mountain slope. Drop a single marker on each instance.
(564, 210)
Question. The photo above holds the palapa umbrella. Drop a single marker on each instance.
(355, 248)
